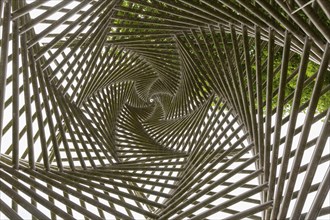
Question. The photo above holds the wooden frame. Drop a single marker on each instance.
(130, 109)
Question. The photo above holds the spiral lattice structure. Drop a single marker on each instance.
(171, 109)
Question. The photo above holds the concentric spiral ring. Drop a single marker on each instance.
(171, 109)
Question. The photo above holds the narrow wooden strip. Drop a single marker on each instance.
(4, 60)
(15, 92)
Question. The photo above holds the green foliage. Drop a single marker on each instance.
(312, 70)
(127, 18)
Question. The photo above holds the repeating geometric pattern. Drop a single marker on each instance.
(171, 109)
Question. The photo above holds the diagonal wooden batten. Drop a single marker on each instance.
(15, 92)
(279, 112)
(4, 59)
